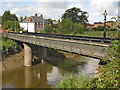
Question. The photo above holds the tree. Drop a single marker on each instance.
(76, 15)
(78, 28)
(66, 26)
(10, 21)
(50, 20)
(22, 18)
(11, 25)
(8, 16)
(100, 28)
(48, 29)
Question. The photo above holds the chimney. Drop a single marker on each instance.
(35, 14)
(41, 15)
(29, 19)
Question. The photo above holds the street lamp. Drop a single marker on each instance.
(105, 14)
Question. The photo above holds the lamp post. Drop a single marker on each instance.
(105, 14)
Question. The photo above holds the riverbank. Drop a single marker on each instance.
(17, 60)
(13, 61)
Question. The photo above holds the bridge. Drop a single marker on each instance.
(95, 47)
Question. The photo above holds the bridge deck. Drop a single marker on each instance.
(93, 49)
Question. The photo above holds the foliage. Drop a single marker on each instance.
(110, 34)
(8, 16)
(12, 25)
(75, 15)
(22, 18)
(10, 21)
(73, 81)
(48, 29)
(25, 31)
(50, 20)
(66, 26)
(100, 28)
(78, 28)
(9, 46)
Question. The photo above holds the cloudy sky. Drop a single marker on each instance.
(54, 9)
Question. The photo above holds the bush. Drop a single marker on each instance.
(25, 30)
(73, 81)
(9, 46)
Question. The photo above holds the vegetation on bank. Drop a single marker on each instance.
(9, 47)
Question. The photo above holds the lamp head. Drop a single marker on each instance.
(105, 13)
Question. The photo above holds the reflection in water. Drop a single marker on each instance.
(44, 75)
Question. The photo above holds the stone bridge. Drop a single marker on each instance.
(91, 49)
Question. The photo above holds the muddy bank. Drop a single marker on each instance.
(13, 61)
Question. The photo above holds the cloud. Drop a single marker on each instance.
(10, 5)
(45, 1)
(49, 10)
(98, 8)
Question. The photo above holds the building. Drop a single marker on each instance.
(96, 24)
(34, 23)
(109, 24)
(89, 26)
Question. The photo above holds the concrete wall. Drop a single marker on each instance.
(31, 26)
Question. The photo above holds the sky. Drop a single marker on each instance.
(54, 9)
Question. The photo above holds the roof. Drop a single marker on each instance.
(36, 19)
(90, 24)
(109, 21)
(98, 23)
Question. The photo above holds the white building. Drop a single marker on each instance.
(34, 23)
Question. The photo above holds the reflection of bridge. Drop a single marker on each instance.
(88, 46)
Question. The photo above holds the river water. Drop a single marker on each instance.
(47, 75)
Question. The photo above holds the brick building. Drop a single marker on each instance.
(34, 23)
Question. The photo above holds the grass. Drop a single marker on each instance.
(73, 81)
(109, 34)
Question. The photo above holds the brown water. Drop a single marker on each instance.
(45, 75)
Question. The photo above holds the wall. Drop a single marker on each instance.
(31, 26)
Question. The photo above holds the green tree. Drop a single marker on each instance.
(8, 16)
(66, 26)
(50, 20)
(78, 28)
(76, 15)
(11, 25)
(48, 29)
(100, 28)
(21, 18)
(10, 21)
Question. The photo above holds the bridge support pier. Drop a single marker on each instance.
(27, 55)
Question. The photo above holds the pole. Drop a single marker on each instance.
(105, 28)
